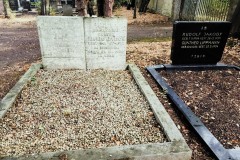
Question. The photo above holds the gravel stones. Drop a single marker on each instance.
(74, 109)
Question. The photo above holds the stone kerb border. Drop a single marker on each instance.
(175, 149)
(11, 96)
(83, 42)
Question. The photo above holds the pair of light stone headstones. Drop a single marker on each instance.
(83, 43)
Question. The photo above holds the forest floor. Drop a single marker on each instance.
(19, 48)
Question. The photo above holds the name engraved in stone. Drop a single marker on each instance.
(201, 40)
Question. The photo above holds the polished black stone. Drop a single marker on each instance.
(198, 42)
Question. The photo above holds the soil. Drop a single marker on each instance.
(19, 47)
(214, 97)
(16, 55)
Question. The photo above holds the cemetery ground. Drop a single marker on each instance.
(19, 47)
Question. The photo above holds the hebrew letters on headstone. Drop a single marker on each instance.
(198, 42)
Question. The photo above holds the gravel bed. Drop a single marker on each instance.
(74, 109)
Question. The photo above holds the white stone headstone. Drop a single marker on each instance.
(62, 42)
(105, 43)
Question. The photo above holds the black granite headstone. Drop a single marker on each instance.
(198, 42)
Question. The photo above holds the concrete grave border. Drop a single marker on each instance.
(176, 148)
(11, 96)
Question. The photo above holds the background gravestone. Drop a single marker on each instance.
(199, 42)
(62, 42)
(105, 42)
(67, 10)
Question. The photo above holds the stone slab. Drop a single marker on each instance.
(62, 37)
(162, 117)
(235, 153)
(105, 42)
(154, 151)
(198, 42)
(62, 63)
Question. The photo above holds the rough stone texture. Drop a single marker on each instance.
(160, 113)
(62, 63)
(63, 45)
(154, 151)
(105, 40)
(62, 38)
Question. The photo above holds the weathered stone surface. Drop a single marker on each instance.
(105, 40)
(62, 38)
(89, 43)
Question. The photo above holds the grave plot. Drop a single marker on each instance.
(97, 111)
(197, 84)
(208, 138)
(87, 113)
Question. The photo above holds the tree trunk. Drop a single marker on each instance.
(108, 6)
(235, 22)
(81, 7)
(1, 8)
(7, 9)
(100, 8)
(42, 7)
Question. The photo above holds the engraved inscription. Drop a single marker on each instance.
(105, 43)
(62, 42)
(59, 37)
(201, 40)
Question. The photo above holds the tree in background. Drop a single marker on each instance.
(7, 10)
(236, 21)
(82, 7)
(108, 6)
(104, 7)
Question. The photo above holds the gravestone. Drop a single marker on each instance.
(67, 10)
(198, 42)
(83, 43)
(105, 40)
(62, 42)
